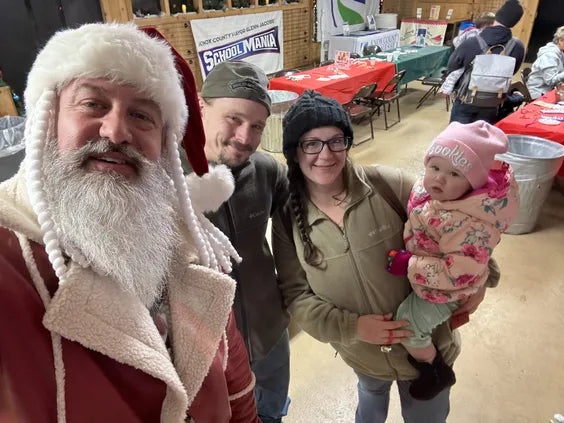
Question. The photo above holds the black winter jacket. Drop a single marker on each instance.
(492, 35)
(261, 186)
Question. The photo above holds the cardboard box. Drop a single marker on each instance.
(7, 106)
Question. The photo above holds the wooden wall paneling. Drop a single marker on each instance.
(297, 25)
(460, 11)
(179, 35)
(405, 9)
(390, 6)
(297, 53)
(446, 3)
(194, 64)
(481, 6)
(116, 10)
(524, 28)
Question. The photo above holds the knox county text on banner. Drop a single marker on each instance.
(256, 38)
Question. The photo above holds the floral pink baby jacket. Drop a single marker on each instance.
(452, 241)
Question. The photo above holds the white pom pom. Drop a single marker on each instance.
(212, 189)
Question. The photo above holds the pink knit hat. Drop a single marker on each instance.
(471, 149)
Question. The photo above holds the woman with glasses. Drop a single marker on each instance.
(330, 245)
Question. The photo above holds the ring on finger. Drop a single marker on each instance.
(390, 337)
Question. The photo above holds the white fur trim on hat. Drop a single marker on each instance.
(118, 52)
(212, 189)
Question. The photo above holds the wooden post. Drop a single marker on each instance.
(117, 10)
(165, 7)
(199, 6)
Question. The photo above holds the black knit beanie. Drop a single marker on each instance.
(311, 111)
(510, 13)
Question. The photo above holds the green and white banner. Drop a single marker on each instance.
(332, 14)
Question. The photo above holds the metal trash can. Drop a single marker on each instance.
(535, 162)
(11, 145)
(272, 134)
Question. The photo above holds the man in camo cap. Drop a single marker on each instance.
(235, 105)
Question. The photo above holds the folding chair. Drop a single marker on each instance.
(435, 83)
(360, 107)
(389, 94)
(521, 88)
(525, 72)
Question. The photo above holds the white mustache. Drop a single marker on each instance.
(104, 145)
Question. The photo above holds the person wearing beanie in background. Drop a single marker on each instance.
(548, 70)
(457, 213)
(498, 34)
(114, 303)
(330, 243)
(235, 105)
(484, 20)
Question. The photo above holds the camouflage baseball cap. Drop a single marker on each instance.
(237, 79)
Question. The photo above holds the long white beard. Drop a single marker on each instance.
(125, 228)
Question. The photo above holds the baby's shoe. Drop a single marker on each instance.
(432, 379)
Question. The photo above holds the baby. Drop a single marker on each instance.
(457, 213)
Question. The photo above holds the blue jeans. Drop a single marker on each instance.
(273, 377)
(374, 398)
(467, 113)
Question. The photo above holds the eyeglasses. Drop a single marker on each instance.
(314, 146)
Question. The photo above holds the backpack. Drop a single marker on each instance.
(487, 78)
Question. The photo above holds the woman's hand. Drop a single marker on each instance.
(379, 329)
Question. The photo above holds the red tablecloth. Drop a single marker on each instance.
(343, 89)
(525, 121)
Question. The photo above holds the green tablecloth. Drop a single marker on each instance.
(420, 62)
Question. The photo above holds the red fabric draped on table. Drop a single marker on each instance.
(342, 89)
(525, 121)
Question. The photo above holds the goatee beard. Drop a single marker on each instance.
(126, 228)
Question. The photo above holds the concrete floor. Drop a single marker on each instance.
(512, 364)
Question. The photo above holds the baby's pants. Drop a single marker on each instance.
(423, 317)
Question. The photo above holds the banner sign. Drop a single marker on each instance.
(256, 38)
(332, 14)
(422, 32)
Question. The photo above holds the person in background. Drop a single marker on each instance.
(330, 243)
(235, 105)
(457, 213)
(484, 20)
(498, 34)
(548, 70)
(114, 305)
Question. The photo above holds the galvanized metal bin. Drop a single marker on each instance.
(11, 145)
(535, 162)
(272, 134)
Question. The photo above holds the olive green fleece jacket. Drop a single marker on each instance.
(326, 302)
